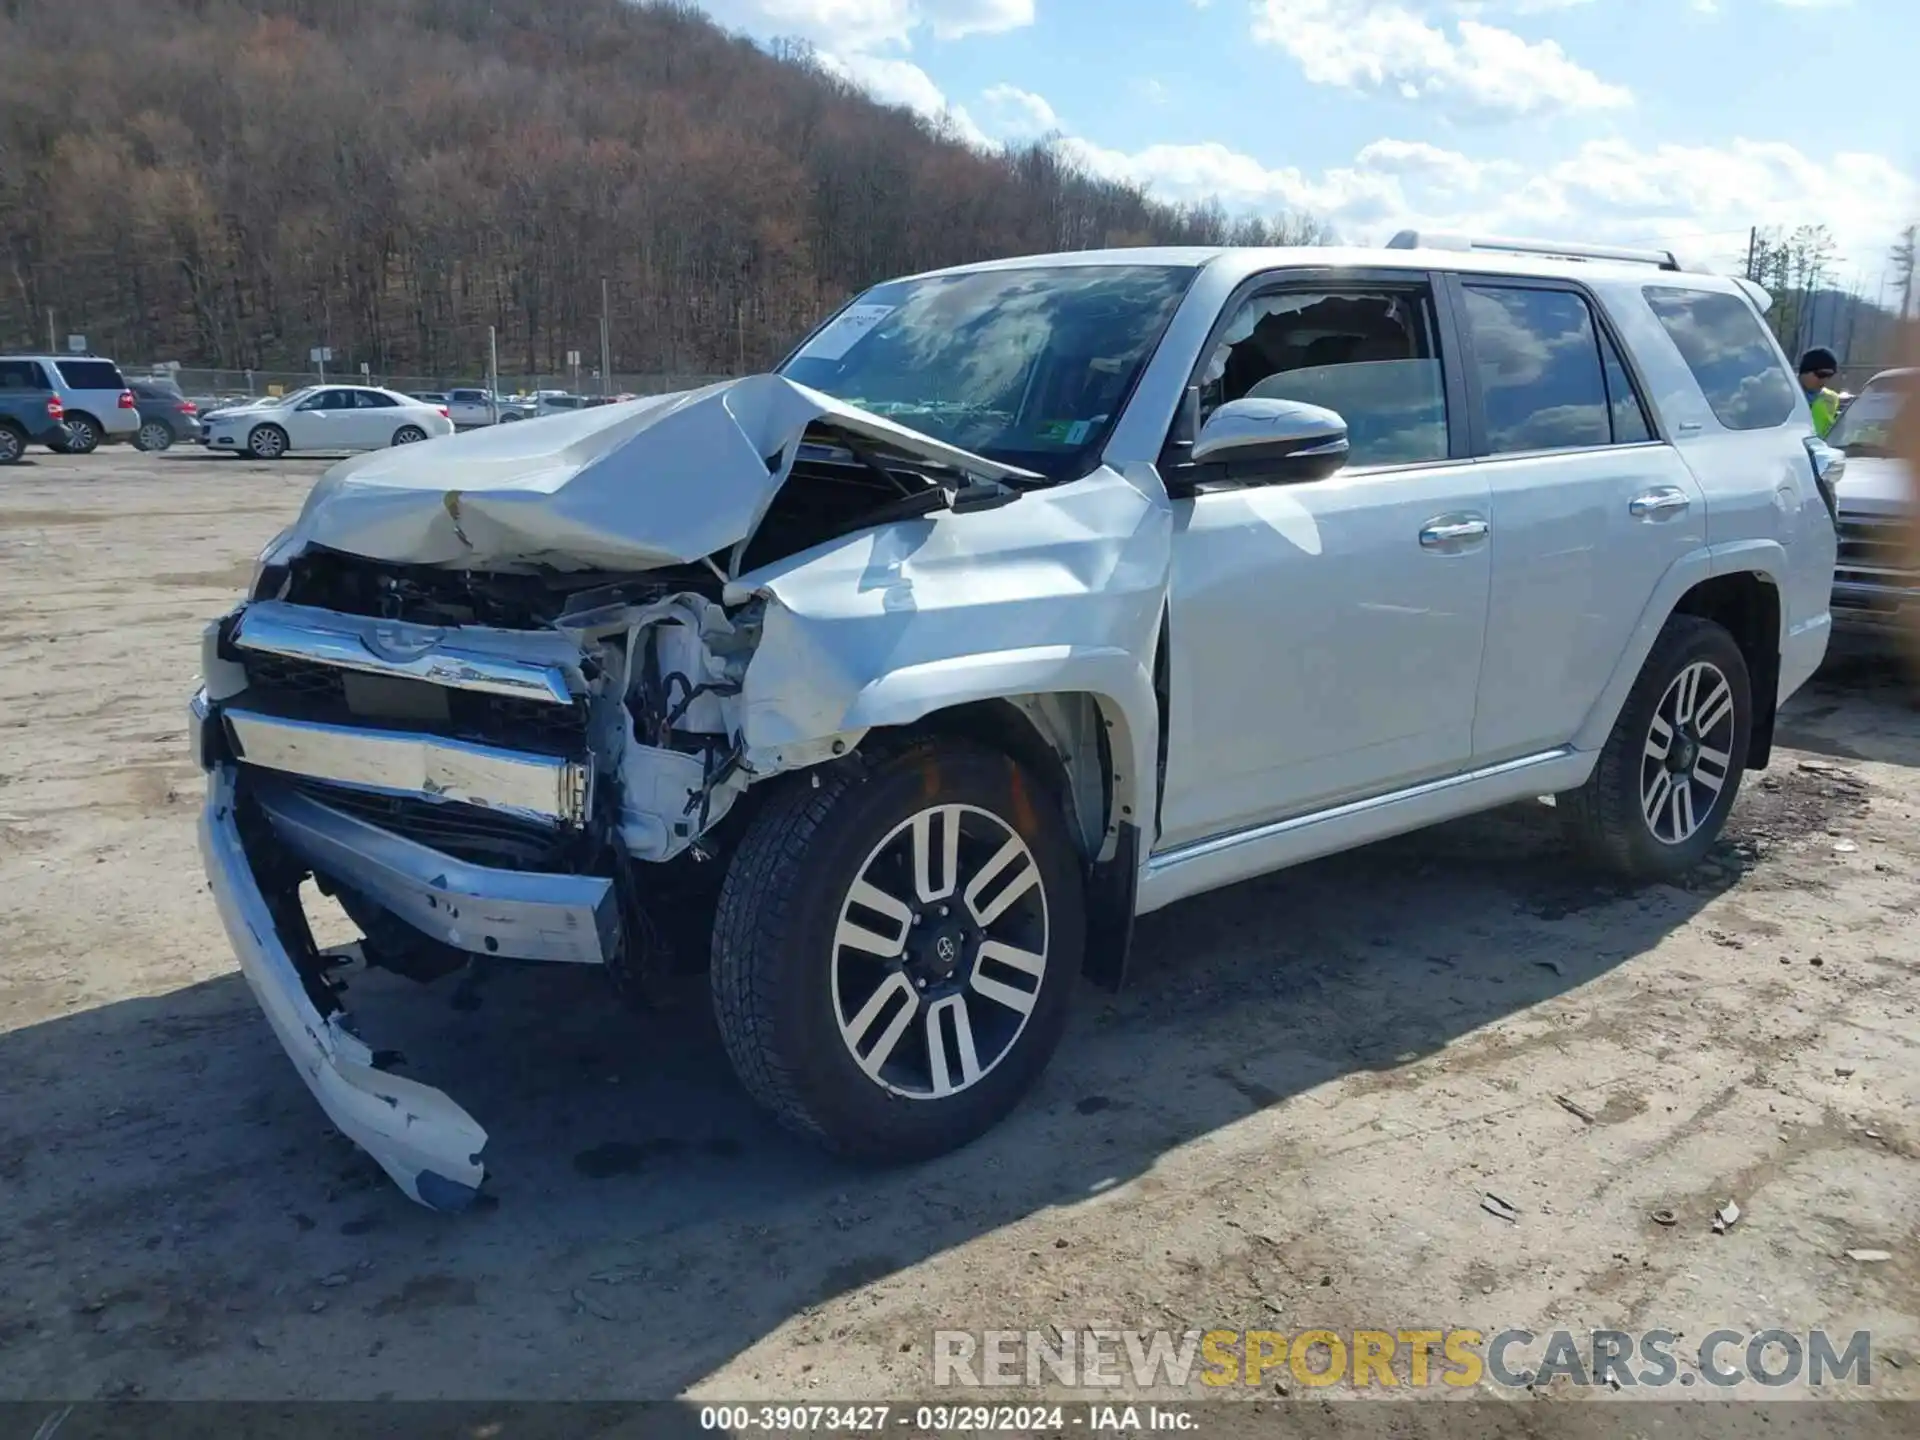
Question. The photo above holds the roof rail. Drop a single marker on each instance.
(1549, 249)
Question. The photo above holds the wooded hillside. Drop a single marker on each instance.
(229, 182)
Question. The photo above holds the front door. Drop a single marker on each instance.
(1325, 636)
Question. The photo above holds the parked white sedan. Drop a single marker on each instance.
(326, 417)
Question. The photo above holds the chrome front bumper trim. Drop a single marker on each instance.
(538, 787)
(428, 1144)
(523, 664)
(516, 914)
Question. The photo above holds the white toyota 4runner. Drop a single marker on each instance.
(1024, 598)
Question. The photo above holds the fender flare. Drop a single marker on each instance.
(1114, 677)
(1765, 558)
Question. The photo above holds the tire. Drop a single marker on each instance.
(509, 417)
(153, 436)
(267, 442)
(1634, 815)
(787, 988)
(13, 444)
(409, 435)
(83, 435)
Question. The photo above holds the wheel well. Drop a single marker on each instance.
(1065, 742)
(1747, 606)
(86, 415)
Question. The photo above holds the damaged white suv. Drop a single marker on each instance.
(1024, 598)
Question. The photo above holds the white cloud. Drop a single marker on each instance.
(1019, 112)
(900, 82)
(952, 19)
(850, 25)
(1699, 199)
(1382, 46)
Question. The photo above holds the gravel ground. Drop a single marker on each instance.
(1289, 1120)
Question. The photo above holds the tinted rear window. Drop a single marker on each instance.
(21, 375)
(1730, 355)
(91, 375)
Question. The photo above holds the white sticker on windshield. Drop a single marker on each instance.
(1077, 432)
(845, 332)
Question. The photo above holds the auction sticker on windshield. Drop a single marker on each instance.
(846, 331)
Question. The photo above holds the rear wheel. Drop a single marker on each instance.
(83, 435)
(153, 435)
(267, 442)
(409, 435)
(1667, 776)
(896, 945)
(13, 444)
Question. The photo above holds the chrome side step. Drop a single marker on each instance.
(1203, 865)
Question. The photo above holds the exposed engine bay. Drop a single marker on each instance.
(514, 697)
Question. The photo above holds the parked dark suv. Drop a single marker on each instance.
(166, 415)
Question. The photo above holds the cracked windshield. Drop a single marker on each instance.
(1028, 367)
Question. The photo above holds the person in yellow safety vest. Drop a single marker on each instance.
(1817, 367)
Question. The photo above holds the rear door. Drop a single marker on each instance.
(1590, 507)
(375, 417)
(95, 387)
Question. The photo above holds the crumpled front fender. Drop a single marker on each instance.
(1059, 592)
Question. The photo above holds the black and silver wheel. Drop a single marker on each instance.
(267, 442)
(895, 948)
(13, 444)
(409, 435)
(1667, 777)
(153, 435)
(83, 435)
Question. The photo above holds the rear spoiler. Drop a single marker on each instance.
(1762, 298)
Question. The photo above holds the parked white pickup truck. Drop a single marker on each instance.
(1023, 599)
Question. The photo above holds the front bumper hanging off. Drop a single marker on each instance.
(427, 1143)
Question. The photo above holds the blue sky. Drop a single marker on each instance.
(1636, 121)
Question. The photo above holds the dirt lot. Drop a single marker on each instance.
(1288, 1121)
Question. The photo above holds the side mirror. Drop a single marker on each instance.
(1273, 441)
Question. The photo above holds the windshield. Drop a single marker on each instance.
(1027, 367)
(1867, 427)
(295, 398)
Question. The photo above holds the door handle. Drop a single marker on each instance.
(1450, 532)
(1658, 504)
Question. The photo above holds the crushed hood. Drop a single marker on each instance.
(635, 486)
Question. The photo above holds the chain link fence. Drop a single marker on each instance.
(249, 384)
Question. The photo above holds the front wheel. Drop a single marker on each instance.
(1667, 776)
(409, 435)
(267, 442)
(897, 941)
(153, 436)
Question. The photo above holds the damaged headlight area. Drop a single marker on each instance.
(471, 766)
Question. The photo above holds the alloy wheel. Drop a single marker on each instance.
(10, 447)
(940, 951)
(1688, 754)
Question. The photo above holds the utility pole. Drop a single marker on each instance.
(606, 342)
(493, 376)
(1904, 255)
(1753, 251)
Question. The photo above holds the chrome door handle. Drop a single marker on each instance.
(1658, 504)
(1447, 532)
